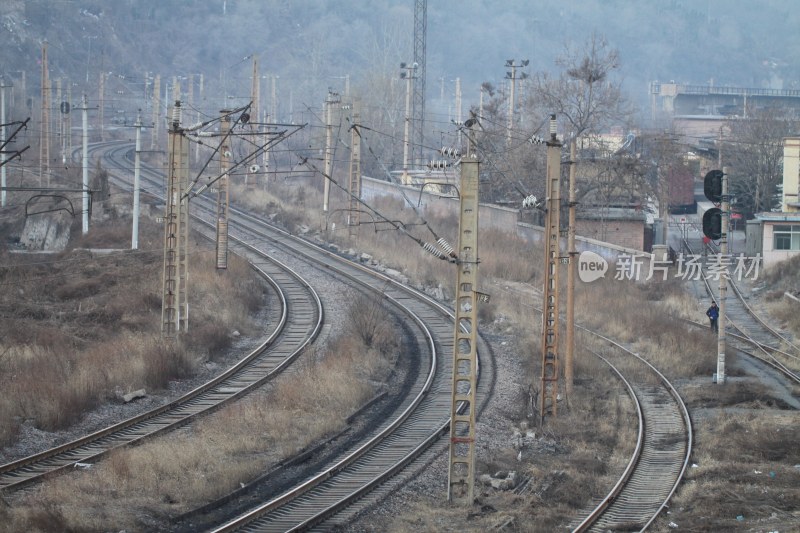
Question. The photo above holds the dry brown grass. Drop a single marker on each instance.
(79, 329)
(787, 314)
(744, 469)
(214, 456)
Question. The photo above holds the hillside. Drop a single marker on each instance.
(313, 45)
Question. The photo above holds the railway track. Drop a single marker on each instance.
(418, 421)
(755, 337)
(661, 455)
(298, 322)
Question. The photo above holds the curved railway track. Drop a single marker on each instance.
(298, 324)
(419, 421)
(755, 338)
(661, 455)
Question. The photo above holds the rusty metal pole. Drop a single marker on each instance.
(569, 363)
(550, 317)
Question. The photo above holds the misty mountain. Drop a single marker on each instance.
(313, 44)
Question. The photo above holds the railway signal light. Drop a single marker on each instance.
(712, 223)
(712, 185)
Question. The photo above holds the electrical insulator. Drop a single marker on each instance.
(431, 249)
(453, 153)
(530, 201)
(445, 246)
(176, 114)
(536, 140)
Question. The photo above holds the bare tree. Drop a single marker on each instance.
(585, 93)
(754, 155)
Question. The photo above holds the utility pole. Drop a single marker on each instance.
(723, 278)
(408, 75)
(200, 101)
(44, 142)
(68, 126)
(330, 101)
(354, 214)
(463, 406)
(459, 118)
(190, 101)
(3, 140)
(222, 191)
(64, 122)
(273, 101)
(156, 111)
(255, 97)
(136, 171)
(569, 364)
(60, 121)
(102, 92)
(550, 318)
(85, 165)
(512, 75)
(174, 308)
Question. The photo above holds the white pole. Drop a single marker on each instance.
(85, 166)
(136, 170)
(723, 282)
(3, 139)
(328, 153)
(511, 103)
(406, 179)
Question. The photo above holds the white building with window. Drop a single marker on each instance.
(776, 236)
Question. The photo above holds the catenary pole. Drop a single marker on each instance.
(136, 171)
(569, 362)
(3, 139)
(85, 166)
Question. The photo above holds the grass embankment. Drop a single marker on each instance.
(579, 453)
(642, 315)
(782, 278)
(141, 488)
(80, 328)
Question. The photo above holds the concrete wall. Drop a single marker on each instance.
(505, 218)
(625, 233)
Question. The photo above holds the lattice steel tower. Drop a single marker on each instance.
(418, 101)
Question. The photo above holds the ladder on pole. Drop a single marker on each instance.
(461, 474)
(548, 405)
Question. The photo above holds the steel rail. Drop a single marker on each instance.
(253, 370)
(435, 395)
(617, 501)
(751, 331)
(635, 456)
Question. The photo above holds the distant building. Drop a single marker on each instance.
(776, 235)
(698, 110)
